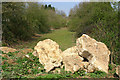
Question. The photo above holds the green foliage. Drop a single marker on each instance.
(25, 68)
(24, 64)
(49, 7)
(112, 69)
(110, 66)
(63, 74)
(99, 21)
(63, 37)
(37, 18)
(97, 74)
(56, 21)
(79, 73)
(22, 67)
(22, 20)
(14, 22)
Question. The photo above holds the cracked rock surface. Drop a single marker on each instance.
(49, 54)
(96, 52)
(88, 55)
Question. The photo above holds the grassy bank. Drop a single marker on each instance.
(17, 65)
(62, 36)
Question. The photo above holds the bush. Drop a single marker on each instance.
(22, 67)
(22, 20)
(97, 74)
(100, 21)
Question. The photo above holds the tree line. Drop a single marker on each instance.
(20, 20)
(100, 21)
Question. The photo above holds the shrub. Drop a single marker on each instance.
(100, 21)
(22, 20)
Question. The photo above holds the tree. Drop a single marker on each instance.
(99, 20)
(49, 6)
(22, 20)
(14, 21)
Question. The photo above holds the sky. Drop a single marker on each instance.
(65, 6)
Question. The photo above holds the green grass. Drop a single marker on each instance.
(24, 64)
(97, 74)
(21, 69)
(62, 36)
(65, 39)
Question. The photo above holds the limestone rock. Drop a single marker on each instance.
(7, 49)
(57, 71)
(49, 54)
(71, 60)
(90, 68)
(35, 53)
(96, 52)
(86, 64)
(118, 70)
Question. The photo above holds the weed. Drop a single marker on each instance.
(97, 74)
(110, 66)
(24, 66)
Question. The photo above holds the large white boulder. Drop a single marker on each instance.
(96, 52)
(72, 61)
(49, 54)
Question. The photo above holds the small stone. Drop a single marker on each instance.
(7, 49)
(90, 68)
(27, 56)
(118, 70)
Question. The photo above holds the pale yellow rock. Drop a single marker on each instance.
(35, 53)
(85, 70)
(90, 68)
(85, 64)
(96, 52)
(71, 60)
(49, 54)
(118, 70)
(7, 49)
(57, 71)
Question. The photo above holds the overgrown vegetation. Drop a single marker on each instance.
(100, 21)
(24, 67)
(22, 20)
(16, 65)
(62, 36)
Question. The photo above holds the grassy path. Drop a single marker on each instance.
(24, 66)
(62, 36)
